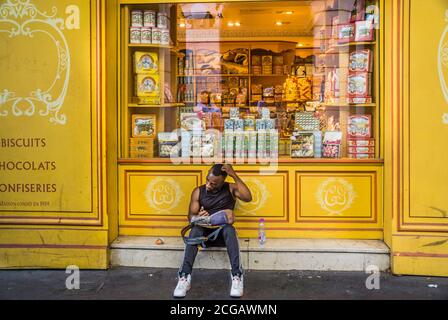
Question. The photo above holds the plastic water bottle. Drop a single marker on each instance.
(261, 232)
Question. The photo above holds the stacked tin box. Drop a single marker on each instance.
(149, 27)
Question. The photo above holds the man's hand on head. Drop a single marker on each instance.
(229, 169)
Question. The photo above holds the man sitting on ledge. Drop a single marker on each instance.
(214, 197)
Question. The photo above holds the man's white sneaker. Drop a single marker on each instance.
(183, 285)
(237, 286)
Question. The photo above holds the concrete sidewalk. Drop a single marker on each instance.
(151, 283)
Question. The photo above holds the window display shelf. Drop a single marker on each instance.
(165, 105)
(285, 159)
(142, 45)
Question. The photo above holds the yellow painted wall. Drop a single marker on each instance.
(417, 127)
(54, 213)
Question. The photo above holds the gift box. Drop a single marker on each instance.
(360, 61)
(141, 142)
(305, 121)
(256, 60)
(317, 144)
(331, 151)
(364, 31)
(361, 155)
(361, 142)
(147, 86)
(302, 145)
(359, 85)
(359, 126)
(238, 124)
(146, 62)
(361, 149)
(266, 60)
(260, 124)
(249, 123)
(229, 124)
(346, 32)
(358, 100)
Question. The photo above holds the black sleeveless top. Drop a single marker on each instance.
(217, 201)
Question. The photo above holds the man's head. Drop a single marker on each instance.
(215, 178)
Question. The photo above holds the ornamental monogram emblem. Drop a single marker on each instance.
(21, 19)
(443, 65)
(260, 195)
(163, 194)
(335, 195)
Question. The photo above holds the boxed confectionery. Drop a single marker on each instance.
(361, 155)
(332, 144)
(358, 100)
(274, 142)
(261, 144)
(361, 149)
(142, 148)
(196, 144)
(266, 61)
(238, 124)
(139, 155)
(306, 121)
(252, 144)
(146, 62)
(265, 113)
(361, 142)
(256, 60)
(361, 61)
(359, 84)
(364, 31)
(141, 142)
(148, 88)
(168, 144)
(192, 122)
(317, 144)
(302, 145)
(185, 138)
(257, 89)
(346, 32)
(249, 123)
(359, 126)
(144, 125)
(234, 113)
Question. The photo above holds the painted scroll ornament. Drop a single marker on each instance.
(21, 18)
(443, 65)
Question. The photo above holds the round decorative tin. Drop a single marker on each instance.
(149, 19)
(137, 18)
(146, 35)
(156, 36)
(135, 35)
(162, 20)
(165, 38)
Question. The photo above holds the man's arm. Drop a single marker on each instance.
(195, 207)
(239, 188)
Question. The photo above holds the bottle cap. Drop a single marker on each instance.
(261, 220)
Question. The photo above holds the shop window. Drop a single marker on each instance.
(250, 80)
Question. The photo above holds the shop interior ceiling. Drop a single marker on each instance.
(257, 21)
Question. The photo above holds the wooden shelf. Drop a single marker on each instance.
(144, 45)
(348, 104)
(270, 75)
(165, 105)
(334, 49)
(281, 159)
(214, 75)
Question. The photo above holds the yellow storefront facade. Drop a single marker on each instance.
(69, 185)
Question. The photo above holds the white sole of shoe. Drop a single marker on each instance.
(188, 289)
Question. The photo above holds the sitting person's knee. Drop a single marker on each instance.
(196, 231)
(228, 229)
